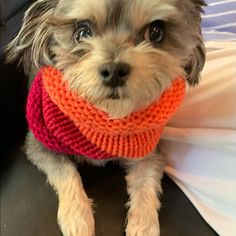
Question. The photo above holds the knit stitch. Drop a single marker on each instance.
(66, 123)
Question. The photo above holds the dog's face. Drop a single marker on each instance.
(118, 54)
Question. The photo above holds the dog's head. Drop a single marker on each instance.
(118, 54)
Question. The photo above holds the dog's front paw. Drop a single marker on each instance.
(76, 218)
(142, 224)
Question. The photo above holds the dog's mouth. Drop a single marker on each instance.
(114, 95)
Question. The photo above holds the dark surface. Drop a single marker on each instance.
(28, 204)
(9, 8)
(13, 84)
(11, 14)
(13, 91)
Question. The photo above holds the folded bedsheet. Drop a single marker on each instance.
(199, 143)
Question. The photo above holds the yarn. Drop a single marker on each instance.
(66, 123)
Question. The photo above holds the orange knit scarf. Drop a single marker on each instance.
(132, 136)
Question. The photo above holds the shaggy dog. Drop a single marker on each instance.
(119, 55)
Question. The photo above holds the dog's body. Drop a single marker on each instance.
(120, 55)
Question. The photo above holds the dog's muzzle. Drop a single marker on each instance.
(114, 74)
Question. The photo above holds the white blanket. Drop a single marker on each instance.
(200, 141)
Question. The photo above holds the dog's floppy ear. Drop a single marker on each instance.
(31, 45)
(197, 58)
(196, 64)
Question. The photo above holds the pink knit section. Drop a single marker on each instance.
(55, 130)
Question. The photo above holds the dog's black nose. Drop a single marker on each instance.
(114, 74)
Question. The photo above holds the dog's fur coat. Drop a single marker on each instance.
(120, 34)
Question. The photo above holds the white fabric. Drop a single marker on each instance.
(200, 141)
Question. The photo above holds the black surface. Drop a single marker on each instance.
(29, 206)
(13, 91)
(10, 20)
(13, 84)
(178, 216)
(10, 8)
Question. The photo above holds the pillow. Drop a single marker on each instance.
(219, 20)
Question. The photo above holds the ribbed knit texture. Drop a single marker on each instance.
(66, 123)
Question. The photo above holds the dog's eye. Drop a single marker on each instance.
(155, 32)
(83, 30)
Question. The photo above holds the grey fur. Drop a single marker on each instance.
(183, 40)
(32, 44)
(115, 14)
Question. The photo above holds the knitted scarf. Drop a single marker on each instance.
(65, 123)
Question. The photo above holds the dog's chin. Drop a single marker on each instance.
(121, 101)
(117, 107)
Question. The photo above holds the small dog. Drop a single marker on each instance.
(147, 43)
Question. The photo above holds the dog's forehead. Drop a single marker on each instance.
(113, 12)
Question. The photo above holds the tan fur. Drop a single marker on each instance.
(146, 83)
(152, 69)
(145, 11)
(144, 190)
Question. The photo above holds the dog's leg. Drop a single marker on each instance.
(144, 186)
(75, 215)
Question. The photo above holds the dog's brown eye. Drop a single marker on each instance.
(155, 32)
(83, 30)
